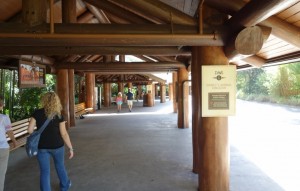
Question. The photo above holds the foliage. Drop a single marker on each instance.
(281, 87)
(114, 89)
(252, 81)
(26, 100)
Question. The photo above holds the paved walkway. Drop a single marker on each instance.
(142, 150)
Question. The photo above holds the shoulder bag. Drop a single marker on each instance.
(33, 139)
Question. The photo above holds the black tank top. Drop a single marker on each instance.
(50, 137)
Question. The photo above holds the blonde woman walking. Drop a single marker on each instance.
(52, 141)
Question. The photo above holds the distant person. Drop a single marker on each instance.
(119, 101)
(137, 95)
(129, 98)
(5, 128)
(52, 140)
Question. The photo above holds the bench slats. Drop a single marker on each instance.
(19, 129)
(80, 109)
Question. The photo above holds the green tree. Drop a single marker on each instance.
(27, 100)
(252, 81)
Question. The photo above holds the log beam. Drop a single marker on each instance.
(284, 30)
(116, 10)
(257, 11)
(122, 65)
(99, 14)
(83, 28)
(67, 40)
(101, 50)
(161, 10)
(233, 54)
(280, 29)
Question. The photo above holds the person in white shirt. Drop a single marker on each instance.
(5, 127)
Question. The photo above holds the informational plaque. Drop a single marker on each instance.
(149, 89)
(218, 90)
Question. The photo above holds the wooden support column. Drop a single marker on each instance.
(140, 91)
(90, 84)
(69, 16)
(156, 90)
(153, 93)
(63, 93)
(71, 97)
(175, 92)
(183, 93)
(107, 86)
(170, 91)
(106, 96)
(129, 84)
(121, 88)
(196, 106)
(210, 134)
(121, 85)
(34, 12)
(162, 93)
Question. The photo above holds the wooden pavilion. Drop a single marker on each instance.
(176, 36)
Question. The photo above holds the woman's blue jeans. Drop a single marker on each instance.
(44, 162)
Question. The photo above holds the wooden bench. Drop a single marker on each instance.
(80, 110)
(19, 129)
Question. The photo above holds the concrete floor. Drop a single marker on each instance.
(132, 151)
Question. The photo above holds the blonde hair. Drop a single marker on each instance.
(119, 94)
(51, 103)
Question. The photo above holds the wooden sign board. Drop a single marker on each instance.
(31, 74)
(218, 90)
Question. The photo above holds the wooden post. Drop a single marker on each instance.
(156, 90)
(129, 84)
(69, 16)
(121, 85)
(71, 97)
(153, 94)
(175, 92)
(121, 88)
(196, 107)
(63, 93)
(170, 91)
(106, 87)
(34, 12)
(211, 132)
(183, 93)
(139, 91)
(162, 93)
(90, 84)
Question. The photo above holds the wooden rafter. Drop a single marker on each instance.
(101, 50)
